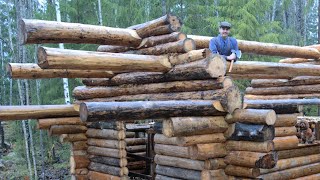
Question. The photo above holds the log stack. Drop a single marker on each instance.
(295, 160)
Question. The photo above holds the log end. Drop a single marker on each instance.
(271, 117)
(42, 58)
(23, 31)
(167, 128)
(181, 36)
(83, 112)
(227, 82)
(189, 44)
(228, 133)
(9, 70)
(267, 161)
(217, 66)
(233, 99)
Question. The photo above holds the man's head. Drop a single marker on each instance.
(224, 29)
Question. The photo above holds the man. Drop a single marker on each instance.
(224, 45)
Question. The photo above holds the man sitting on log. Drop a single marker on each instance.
(224, 45)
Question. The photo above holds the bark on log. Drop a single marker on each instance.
(107, 143)
(107, 152)
(134, 149)
(169, 150)
(181, 46)
(287, 96)
(77, 162)
(310, 177)
(190, 140)
(302, 89)
(254, 116)
(207, 151)
(46, 123)
(67, 129)
(106, 134)
(162, 39)
(73, 137)
(147, 29)
(259, 76)
(114, 125)
(84, 92)
(109, 161)
(40, 31)
(263, 147)
(293, 172)
(179, 162)
(190, 56)
(264, 48)
(36, 112)
(116, 171)
(285, 131)
(242, 171)
(113, 49)
(286, 120)
(97, 111)
(292, 162)
(304, 150)
(250, 132)
(92, 175)
(188, 126)
(135, 141)
(252, 159)
(214, 164)
(178, 172)
(284, 143)
(297, 81)
(55, 58)
(287, 106)
(33, 71)
(79, 145)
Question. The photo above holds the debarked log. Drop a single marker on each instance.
(254, 116)
(179, 162)
(116, 171)
(107, 143)
(109, 160)
(180, 173)
(46, 123)
(208, 151)
(263, 147)
(106, 134)
(286, 142)
(67, 129)
(107, 152)
(190, 140)
(97, 111)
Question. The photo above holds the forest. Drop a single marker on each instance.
(26, 151)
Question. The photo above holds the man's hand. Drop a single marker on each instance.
(232, 57)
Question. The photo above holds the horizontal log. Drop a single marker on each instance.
(36, 112)
(190, 140)
(84, 92)
(107, 143)
(46, 123)
(310, 177)
(96, 111)
(134, 149)
(55, 58)
(169, 150)
(106, 134)
(258, 76)
(314, 119)
(263, 147)
(214, 164)
(113, 49)
(162, 177)
(208, 151)
(286, 96)
(284, 90)
(67, 129)
(130, 134)
(213, 174)
(78, 161)
(41, 31)
(292, 162)
(79, 153)
(188, 126)
(82, 171)
(107, 152)
(109, 161)
(33, 71)
(254, 116)
(93, 175)
(73, 137)
(250, 132)
(264, 48)
(297, 81)
(190, 56)
(293, 172)
(285, 131)
(79, 177)
(116, 171)
(179, 162)
(281, 106)
(135, 141)
(252, 159)
(114, 125)
(79, 145)
(180, 173)
(299, 151)
(242, 171)
(296, 60)
(161, 39)
(137, 165)
(286, 120)
(286, 142)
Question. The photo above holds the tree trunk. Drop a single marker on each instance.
(36, 112)
(190, 140)
(40, 32)
(96, 111)
(188, 126)
(53, 58)
(179, 162)
(250, 132)
(262, 147)
(99, 13)
(254, 116)
(180, 173)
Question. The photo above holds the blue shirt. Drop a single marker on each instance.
(223, 46)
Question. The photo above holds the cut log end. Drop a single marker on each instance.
(24, 35)
(42, 58)
(233, 100)
(271, 118)
(174, 21)
(9, 70)
(83, 112)
(216, 66)
(167, 128)
(188, 45)
(181, 36)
